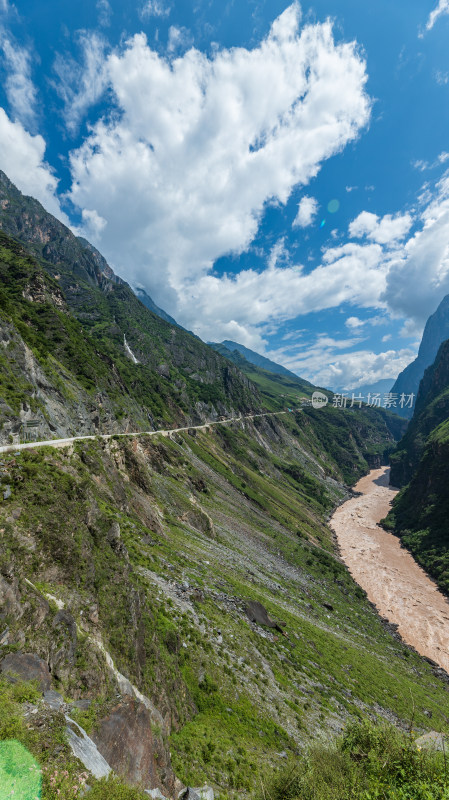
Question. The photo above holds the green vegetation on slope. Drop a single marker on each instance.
(83, 359)
(353, 439)
(374, 762)
(207, 523)
(277, 390)
(178, 375)
(35, 760)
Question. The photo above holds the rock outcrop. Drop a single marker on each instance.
(26, 667)
(133, 748)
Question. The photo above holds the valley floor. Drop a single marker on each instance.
(401, 591)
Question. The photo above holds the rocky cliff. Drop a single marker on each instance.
(435, 332)
(420, 513)
(432, 408)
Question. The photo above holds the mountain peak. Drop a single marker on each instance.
(435, 333)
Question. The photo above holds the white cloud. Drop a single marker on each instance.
(80, 85)
(178, 39)
(425, 165)
(327, 362)
(385, 230)
(442, 78)
(421, 165)
(442, 8)
(418, 277)
(354, 323)
(307, 210)
(19, 87)
(411, 330)
(352, 273)
(183, 172)
(93, 224)
(3, 5)
(22, 159)
(154, 8)
(104, 11)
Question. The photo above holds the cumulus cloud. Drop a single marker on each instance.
(307, 210)
(154, 8)
(422, 166)
(418, 276)
(354, 323)
(442, 8)
(199, 146)
(385, 230)
(19, 87)
(22, 158)
(93, 224)
(351, 273)
(81, 84)
(325, 364)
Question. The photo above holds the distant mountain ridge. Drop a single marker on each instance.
(256, 358)
(151, 305)
(380, 387)
(435, 332)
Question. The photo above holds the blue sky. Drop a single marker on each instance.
(271, 172)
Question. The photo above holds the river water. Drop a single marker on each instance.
(401, 591)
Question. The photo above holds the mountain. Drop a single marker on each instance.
(255, 358)
(436, 331)
(149, 303)
(183, 597)
(431, 410)
(278, 389)
(420, 464)
(380, 387)
(177, 378)
(173, 606)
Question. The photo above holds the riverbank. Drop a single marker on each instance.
(401, 591)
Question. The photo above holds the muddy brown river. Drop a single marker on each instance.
(393, 581)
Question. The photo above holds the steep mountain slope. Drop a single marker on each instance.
(257, 359)
(420, 513)
(180, 592)
(278, 389)
(151, 305)
(435, 332)
(202, 566)
(432, 408)
(66, 367)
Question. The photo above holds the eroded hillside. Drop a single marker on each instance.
(202, 566)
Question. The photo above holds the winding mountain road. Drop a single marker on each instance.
(8, 448)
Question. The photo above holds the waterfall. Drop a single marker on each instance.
(129, 352)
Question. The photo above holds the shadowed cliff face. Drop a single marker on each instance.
(432, 408)
(420, 513)
(435, 332)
